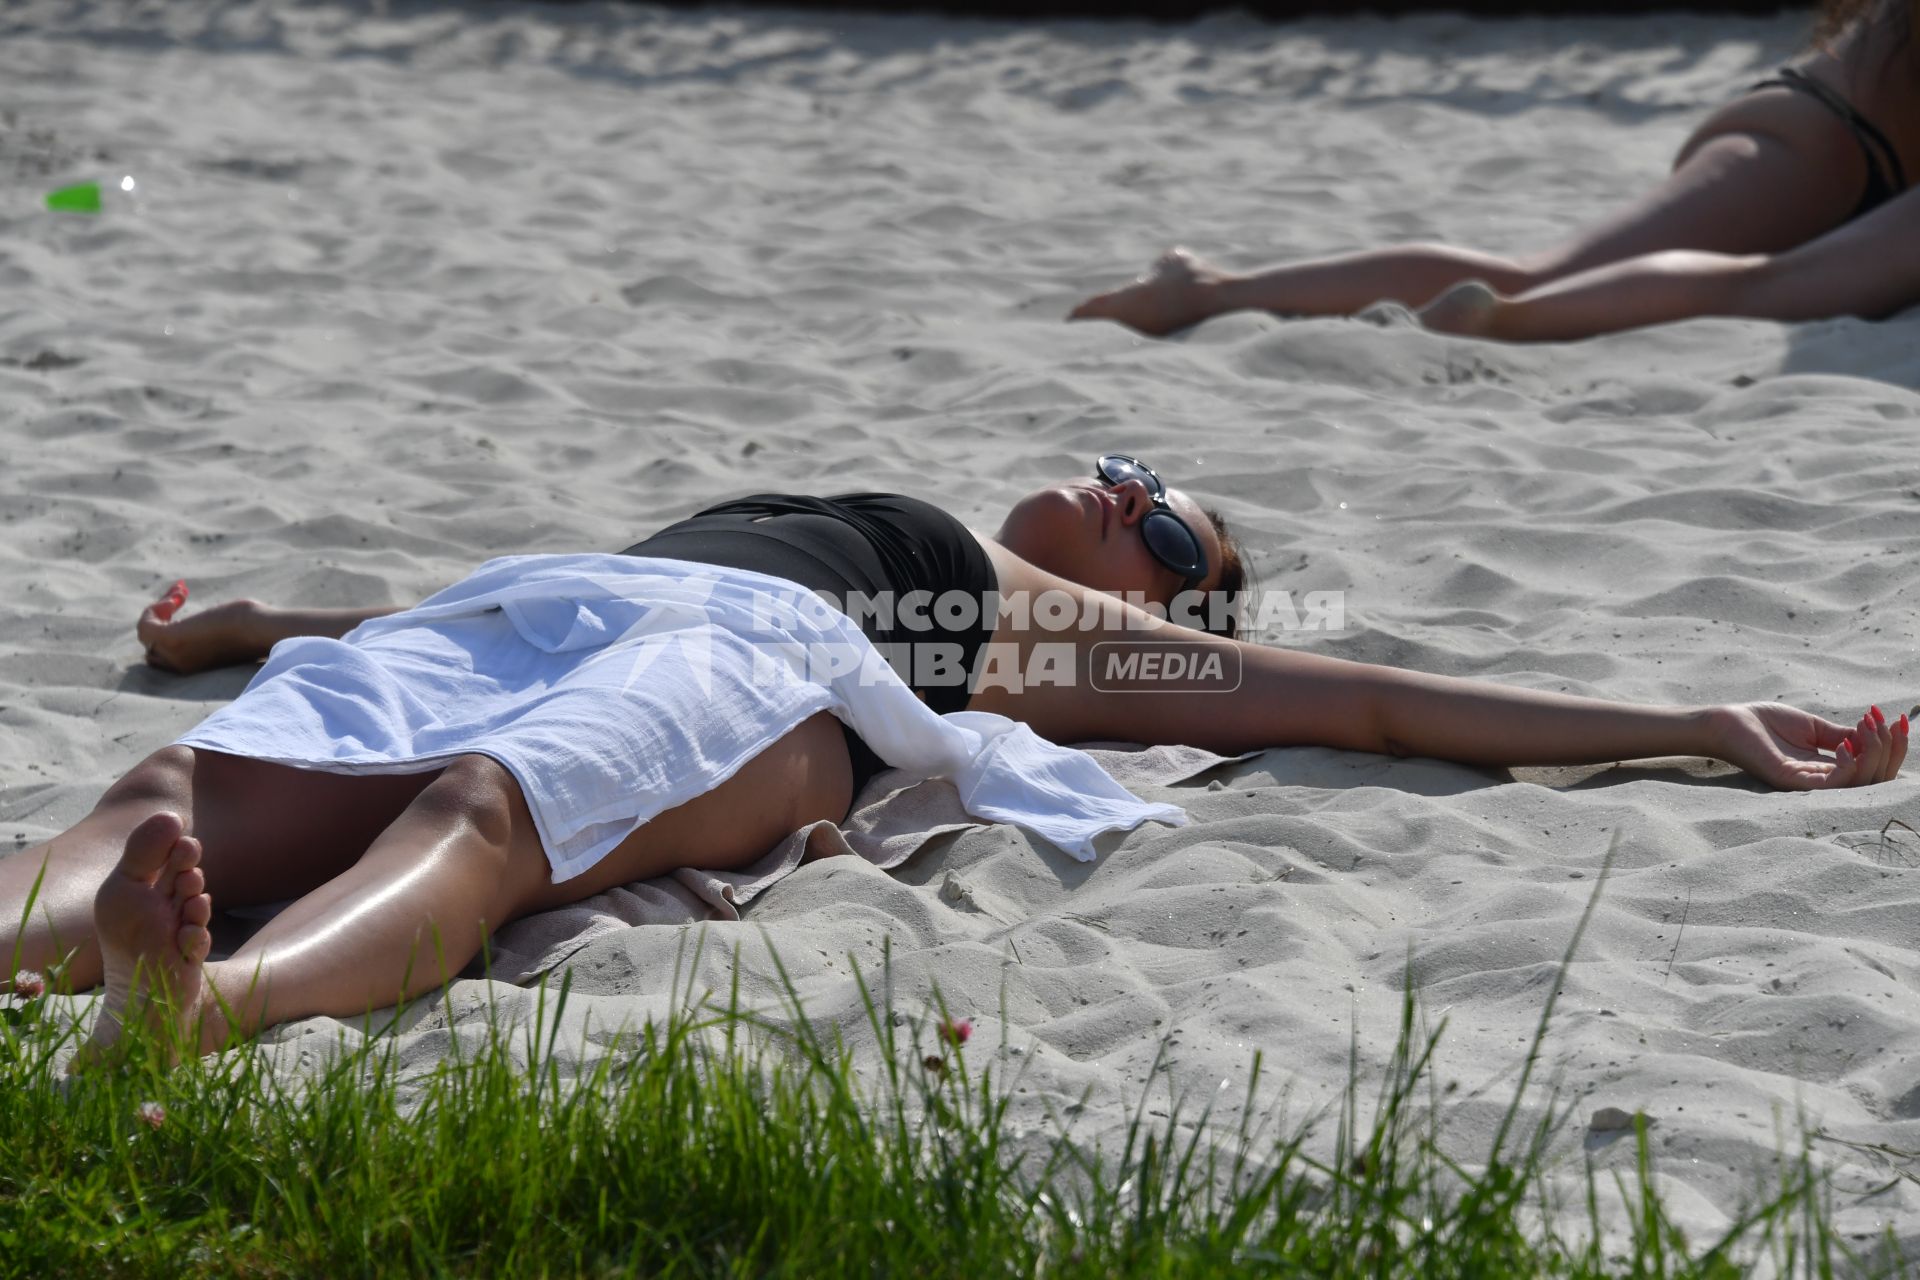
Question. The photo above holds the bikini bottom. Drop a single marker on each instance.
(1885, 178)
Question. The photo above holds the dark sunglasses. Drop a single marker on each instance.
(1171, 539)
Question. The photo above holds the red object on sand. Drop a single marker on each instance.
(170, 603)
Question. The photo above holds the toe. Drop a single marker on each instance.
(197, 911)
(184, 855)
(188, 884)
(150, 846)
(1098, 307)
(195, 943)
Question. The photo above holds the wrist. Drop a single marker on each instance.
(258, 626)
(1710, 729)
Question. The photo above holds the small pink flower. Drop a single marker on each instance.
(956, 1032)
(151, 1114)
(29, 985)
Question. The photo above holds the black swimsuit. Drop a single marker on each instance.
(1885, 178)
(859, 547)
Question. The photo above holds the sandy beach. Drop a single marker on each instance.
(397, 289)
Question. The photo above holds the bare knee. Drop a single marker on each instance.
(163, 780)
(476, 795)
(1532, 270)
(474, 814)
(1452, 265)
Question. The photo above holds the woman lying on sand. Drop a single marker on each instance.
(1788, 203)
(402, 864)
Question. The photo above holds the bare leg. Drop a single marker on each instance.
(1867, 268)
(1655, 289)
(1762, 174)
(249, 851)
(465, 858)
(1181, 290)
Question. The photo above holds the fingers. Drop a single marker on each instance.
(1889, 747)
(1883, 741)
(169, 604)
(1869, 742)
(1846, 767)
(153, 632)
(151, 624)
(1872, 751)
(154, 620)
(161, 611)
(1828, 734)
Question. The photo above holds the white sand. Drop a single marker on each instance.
(394, 294)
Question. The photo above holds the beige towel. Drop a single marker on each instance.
(891, 819)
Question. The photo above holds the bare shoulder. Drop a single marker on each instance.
(1014, 573)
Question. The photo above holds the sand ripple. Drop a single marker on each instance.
(393, 294)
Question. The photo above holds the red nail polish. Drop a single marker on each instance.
(1879, 716)
(1903, 722)
(169, 604)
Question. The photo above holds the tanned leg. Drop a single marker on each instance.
(1766, 173)
(1867, 268)
(463, 858)
(249, 852)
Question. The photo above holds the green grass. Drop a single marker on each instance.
(717, 1144)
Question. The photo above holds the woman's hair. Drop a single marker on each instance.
(1895, 18)
(1233, 574)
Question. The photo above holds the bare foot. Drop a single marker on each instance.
(1471, 308)
(226, 634)
(1175, 294)
(151, 918)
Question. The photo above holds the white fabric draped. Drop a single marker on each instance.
(616, 687)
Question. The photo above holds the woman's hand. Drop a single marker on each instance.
(230, 633)
(1783, 747)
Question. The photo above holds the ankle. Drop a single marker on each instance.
(1220, 293)
(216, 1022)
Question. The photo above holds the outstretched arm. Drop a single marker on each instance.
(1289, 698)
(236, 631)
(1259, 696)
(1478, 722)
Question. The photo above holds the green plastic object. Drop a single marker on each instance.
(82, 197)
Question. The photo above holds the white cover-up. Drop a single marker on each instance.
(616, 687)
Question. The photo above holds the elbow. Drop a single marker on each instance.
(1377, 731)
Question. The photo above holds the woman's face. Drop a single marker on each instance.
(1089, 532)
